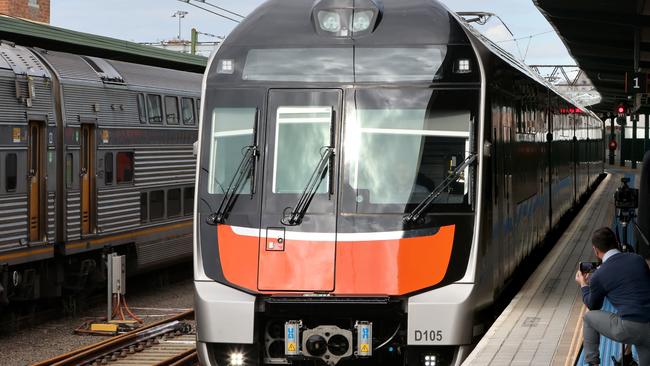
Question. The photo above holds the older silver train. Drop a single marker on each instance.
(371, 174)
(96, 155)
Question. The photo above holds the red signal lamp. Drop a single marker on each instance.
(620, 109)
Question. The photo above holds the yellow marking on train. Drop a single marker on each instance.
(26, 253)
(364, 348)
(291, 347)
(99, 241)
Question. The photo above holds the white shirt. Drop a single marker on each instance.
(609, 254)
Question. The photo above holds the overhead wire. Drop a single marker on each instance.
(222, 9)
(525, 37)
(188, 2)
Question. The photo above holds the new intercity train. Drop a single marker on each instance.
(96, 155)
(370, 176)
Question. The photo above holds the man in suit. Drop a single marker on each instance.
(624, 278)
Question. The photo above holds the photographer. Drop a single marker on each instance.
(623, 278)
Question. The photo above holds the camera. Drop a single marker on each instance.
(626, 198)
(588, 267)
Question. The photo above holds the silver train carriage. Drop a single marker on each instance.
(371, 174)
(94, 154)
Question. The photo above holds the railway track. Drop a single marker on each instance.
(170, 342)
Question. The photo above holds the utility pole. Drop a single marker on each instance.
(194, 40)
(180, 14)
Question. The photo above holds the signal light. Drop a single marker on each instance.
(621, 109)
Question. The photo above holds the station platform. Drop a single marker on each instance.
(543, 323)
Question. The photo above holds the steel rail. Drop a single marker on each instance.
(97, 351)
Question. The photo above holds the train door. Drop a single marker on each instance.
(87, 174)
(298, 241)
(507, 199)
(36, 179)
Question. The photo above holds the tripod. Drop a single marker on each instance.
(626, 217)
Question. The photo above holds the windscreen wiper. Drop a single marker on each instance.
(422, 208)
(244, 170)
(297, 214)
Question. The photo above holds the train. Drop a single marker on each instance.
(371, 174)
(96, 156)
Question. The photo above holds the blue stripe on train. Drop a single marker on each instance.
(608, 347)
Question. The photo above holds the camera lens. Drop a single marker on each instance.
(316, 345)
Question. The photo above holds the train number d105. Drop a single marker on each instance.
(428, 336)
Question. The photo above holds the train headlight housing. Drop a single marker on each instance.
(362, 20)
(237, 359)
(329, 21)
(430, 360)
(346, 18)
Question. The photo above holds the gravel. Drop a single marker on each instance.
(57, 337)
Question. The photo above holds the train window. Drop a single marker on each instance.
(301, 134)
(171, 110)
(108, 168)
(69, 173)
(345, 64)
(187, 106)
(144, 207)
(188, 201)
(154, 108)
(142, 109)
(124, 167)
(399, 64)
(174, 202)
(11, 172)
(156, 205)
(232, 131)
(403, 144)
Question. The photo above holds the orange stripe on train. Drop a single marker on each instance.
(355, 268)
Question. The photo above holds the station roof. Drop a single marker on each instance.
(601, 36)
(34, 34)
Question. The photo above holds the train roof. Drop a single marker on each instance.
(33, 34)
(400, 17)
(519, 65)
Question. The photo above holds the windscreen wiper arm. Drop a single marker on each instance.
(298, 213)
(422, 208)
(244, 169)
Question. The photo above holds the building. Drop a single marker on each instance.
(202, 48)
(36, 10)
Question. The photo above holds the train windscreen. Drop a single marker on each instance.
(403, 144)
(232, 132)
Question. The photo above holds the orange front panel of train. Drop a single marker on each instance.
(395, 266)
(303, 266)
(238, 256)
(349, 268)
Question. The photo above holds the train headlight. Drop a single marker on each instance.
(329, 21)
(362, 20)
(236, 359)
(463, 66)
(346, 18)
(430, 360)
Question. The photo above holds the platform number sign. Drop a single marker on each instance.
(636, 83)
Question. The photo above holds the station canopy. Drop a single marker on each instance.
(603, 36)
(34, 34)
